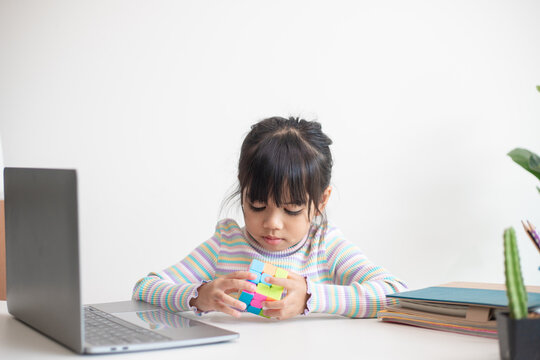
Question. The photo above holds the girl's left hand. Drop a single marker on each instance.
(294, 303)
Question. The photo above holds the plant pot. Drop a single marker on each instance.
(518, 339)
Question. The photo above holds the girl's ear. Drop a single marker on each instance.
(325, 197)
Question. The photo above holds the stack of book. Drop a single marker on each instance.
(460, 307)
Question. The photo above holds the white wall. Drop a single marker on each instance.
(150, 102)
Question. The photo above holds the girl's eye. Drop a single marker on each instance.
(255, 208)
(294, 213)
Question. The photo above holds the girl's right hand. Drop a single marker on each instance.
(214, 295)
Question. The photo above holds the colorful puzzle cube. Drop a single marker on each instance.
(265, 291)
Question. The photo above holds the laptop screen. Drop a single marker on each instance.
(42, 252)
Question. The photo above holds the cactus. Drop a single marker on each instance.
(515, 289)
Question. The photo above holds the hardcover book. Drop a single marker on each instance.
(460, 307)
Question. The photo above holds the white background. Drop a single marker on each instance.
(150, 100)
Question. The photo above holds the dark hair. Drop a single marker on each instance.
(288, 159)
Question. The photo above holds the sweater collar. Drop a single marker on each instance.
(281, 253)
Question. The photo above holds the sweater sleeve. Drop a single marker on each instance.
(359, 287)
(174, 287)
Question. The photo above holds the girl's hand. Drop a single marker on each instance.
(294, 303)
(214, 295)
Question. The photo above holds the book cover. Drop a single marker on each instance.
(474, 294)
(459, 307)
(439, 322)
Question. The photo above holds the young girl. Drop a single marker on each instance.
(284, 186)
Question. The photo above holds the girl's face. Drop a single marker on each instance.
(278, 228)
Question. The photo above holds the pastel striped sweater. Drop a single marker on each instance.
(339, 277)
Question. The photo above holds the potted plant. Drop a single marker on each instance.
(519, 330)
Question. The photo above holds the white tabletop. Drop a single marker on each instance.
(315, 336)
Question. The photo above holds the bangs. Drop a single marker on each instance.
(279, 169)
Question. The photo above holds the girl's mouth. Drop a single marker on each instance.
(272, 240)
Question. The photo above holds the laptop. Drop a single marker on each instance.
(43, 281)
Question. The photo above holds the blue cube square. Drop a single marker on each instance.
(257, 266)
(246, 297)
(253, 310)
(263, 277)
(257, 279)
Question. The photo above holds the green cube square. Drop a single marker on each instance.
(263, 289)
(262, 314)
(281, 273)
(275, 292)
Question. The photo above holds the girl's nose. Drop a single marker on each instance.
(273, 221)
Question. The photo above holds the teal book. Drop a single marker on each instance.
(459, 307)
(450, 294)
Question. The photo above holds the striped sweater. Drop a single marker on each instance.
(340, 279)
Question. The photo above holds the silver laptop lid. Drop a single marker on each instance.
(42, 252)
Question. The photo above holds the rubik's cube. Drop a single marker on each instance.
(265, 291)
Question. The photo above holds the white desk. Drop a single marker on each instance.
(313, 337)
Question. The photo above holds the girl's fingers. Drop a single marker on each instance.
(273, 313)
(241, 275)
(286, 283)
(227, 310)
(230, 301)
(234, 284)
(273, 304)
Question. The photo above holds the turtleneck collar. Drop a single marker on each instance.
(277, 254)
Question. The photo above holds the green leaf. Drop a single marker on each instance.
(534, 163)
(527, 160)
(538, 88)
(520, 156)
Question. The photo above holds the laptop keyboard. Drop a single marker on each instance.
(102, 328)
